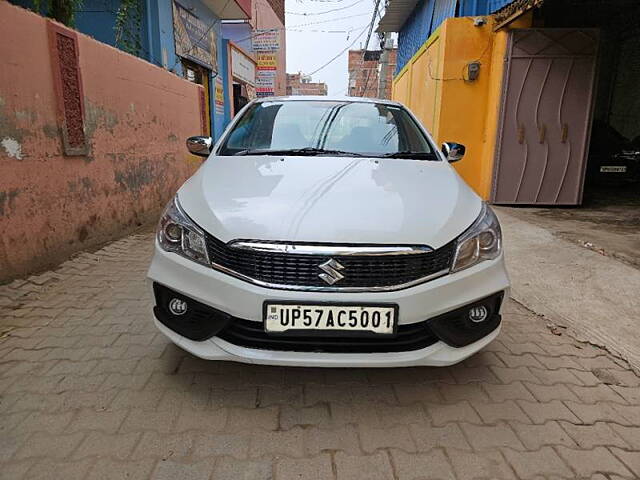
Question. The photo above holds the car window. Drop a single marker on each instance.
(359, 127)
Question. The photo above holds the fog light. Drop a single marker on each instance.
(478, 314)
(177, 306)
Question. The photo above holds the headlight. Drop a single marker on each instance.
(177, 233)
(482, 241)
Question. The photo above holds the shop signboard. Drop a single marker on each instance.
(266, 65)
(251, 92)
(265, 82)
(266, 86)
(265, 92)
(194, 39)
(267, 61)
(266, 40)
(242, 67)
(219, 98)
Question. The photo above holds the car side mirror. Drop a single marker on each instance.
(200, 146)
(453, 151)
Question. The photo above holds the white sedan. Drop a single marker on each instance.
(331, 233)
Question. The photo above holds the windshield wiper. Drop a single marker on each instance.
(309, 151)
(414, 155)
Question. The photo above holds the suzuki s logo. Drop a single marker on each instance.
(332, 271)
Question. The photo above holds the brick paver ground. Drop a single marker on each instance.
(90, 389)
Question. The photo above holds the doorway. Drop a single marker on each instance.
(546, 116)
(240, 96)
(198, 74)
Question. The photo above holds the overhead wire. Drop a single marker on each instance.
(373, 21)
(326, 11)
(330, 20)
(340, 53)
(369, 26)
(326, 31)
(292, 28)
(289, 29)
(366, 44)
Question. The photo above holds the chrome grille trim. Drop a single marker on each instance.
(328, 249)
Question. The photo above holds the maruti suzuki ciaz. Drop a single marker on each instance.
(328, 232)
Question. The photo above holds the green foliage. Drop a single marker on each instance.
(63, 11)
(128, 26)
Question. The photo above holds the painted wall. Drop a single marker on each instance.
(240, 34)
(163, 11)
(428, 15)
(434, 86)
(97, 18)
(224, 57)
(414, 32)
(136, 119)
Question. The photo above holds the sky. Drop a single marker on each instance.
(311, 44)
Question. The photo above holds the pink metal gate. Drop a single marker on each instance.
(546, 117)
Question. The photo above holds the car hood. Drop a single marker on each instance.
(330, 200)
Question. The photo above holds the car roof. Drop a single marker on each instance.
(327, 98)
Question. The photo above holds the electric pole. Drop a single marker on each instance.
(387, 43)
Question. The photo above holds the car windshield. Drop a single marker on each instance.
(313, 127)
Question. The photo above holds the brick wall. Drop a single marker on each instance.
(295, 86)
(278, 8)
(363, 73)
(91, 141)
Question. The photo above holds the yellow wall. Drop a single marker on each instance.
(413, 85)
(433, 85)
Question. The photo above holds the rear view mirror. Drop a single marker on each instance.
(200, 146)
(453, 151)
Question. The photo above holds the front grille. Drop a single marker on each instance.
(298, 270)
(250, 334)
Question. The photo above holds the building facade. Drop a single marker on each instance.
(262, 38)
(301, 84)
(182, 36)
(364, 73)
(515, 81)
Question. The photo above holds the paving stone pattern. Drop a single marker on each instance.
(89, 389)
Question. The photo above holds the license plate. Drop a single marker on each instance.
(286, 317)
(613, 169)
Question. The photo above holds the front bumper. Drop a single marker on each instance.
(243, 300)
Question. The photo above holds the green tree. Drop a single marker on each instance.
(63, 11)
(128, 26)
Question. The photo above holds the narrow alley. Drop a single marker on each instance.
(90, 389)
(320, 240)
